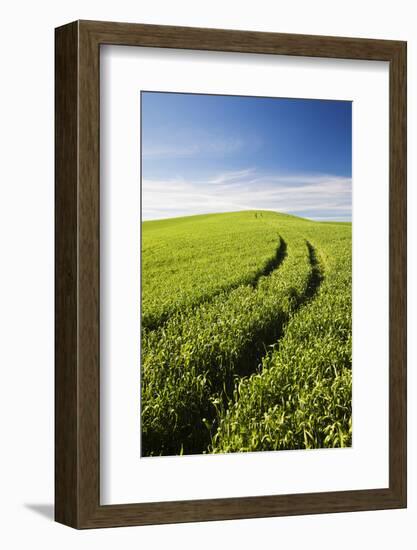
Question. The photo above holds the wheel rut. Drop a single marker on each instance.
(250, 359)
(271, 265)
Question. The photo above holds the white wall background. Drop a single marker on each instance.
(26, 272)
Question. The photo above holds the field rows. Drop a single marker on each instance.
(302, 396)
(190, 261)
(258, 356)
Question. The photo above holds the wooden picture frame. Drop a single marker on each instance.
(77, 372)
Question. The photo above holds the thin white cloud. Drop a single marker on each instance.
(313, 196)
(231, 177)
(212, 146)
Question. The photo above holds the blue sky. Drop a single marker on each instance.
(207, 153)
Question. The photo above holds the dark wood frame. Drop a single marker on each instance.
(77, 274)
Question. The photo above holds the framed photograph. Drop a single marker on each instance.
(230, 274)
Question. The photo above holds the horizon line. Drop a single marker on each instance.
(320, 219)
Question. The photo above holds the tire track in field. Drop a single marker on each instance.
(316, 275)
(271, 265)
(249, 357)
(195, 437)
(252, 359)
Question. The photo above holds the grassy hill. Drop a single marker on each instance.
(246, 333)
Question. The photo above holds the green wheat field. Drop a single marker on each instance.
(246, 340)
